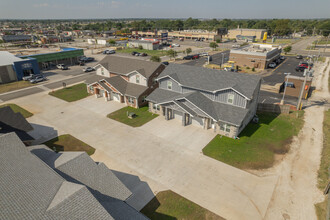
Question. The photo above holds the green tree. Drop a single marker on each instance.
(140, 47)
(188, 50)
(112, 42)
(172, 53)
(155, 59)
(287, 49)
(214, 45)
(218, 41)
(282, 27)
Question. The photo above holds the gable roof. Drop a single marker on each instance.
(14, 122)
(199, 104)
(124, 66)
(211, 80)
(29, 189)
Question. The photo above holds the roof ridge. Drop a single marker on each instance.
(66, 157)
(66, 190)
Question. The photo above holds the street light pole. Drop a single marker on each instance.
(285, 85)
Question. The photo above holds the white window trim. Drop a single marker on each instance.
(130, 100)
(169, 85)
(230, 97)
(137, 79)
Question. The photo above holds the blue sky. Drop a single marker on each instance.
(47, 9)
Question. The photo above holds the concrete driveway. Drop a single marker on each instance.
(169, 159)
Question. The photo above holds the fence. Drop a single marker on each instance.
(274, 108)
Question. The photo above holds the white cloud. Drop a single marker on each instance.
(41, 5)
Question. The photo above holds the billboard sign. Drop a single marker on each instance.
(164, 35)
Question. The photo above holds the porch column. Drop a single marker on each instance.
(215, 126)
(96, 92)
(184, 117)
(166, 113)
(106, 95)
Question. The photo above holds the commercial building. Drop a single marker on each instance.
(67, 56)
(255, 55)
(258, 33)
(16, 38)
(13, 68)
(145, 44)
(294, 85)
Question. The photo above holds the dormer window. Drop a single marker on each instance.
(137, 79)
(230, 99)
(169, 85)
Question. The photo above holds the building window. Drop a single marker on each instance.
(91, 88)
(130, 100)
(225, 127)
(169, 85)
(144, 98)
(156, 107)
(137, 78)
(230, 99)
(102, 71)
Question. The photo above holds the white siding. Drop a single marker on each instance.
(100, 69)
(178, 115)
(132, 79)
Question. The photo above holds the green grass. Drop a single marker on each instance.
(67, 142)
(16, 108)
(72, 93)
(323, 173)
(142, 116)
(321, 209)
(258, 143)
(8, 87)
(167, 205)
(149, 52)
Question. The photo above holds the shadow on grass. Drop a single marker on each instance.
(251, 128)
(150, 211)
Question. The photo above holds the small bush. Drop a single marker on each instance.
(247, 68)
(140, 47)
(253, 69)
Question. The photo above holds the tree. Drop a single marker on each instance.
(214, 45)
(112, 42)
(155, 58)
(287, 49)
(140, 47)
(172, 53)
(218, 41)
(188, 50)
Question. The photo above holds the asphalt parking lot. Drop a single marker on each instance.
(287, 66)
(217, 59)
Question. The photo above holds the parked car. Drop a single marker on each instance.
(175, 45)
(29, 77)
(165, 63)
(282, 58)
(109, 52)
(89, 59)
(306, 64)
(65, 68)
(181, 39)
(60, 66)
(299, 56)
(272, 65)
(195, 56)
(37, 79)
(300, 68)
(133, 53)
(235, 46)
(204, 54)
(137, 54)
(189, 57)
(88, 69)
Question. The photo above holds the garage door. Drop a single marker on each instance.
(116, 97)
(178, 115)
(197, 121)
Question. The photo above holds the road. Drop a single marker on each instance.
(217, 59)
(300, 47)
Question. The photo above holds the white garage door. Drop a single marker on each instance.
(178, 115)
(197, 121)
(116, 97)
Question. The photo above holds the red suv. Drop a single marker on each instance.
(303, 65)
(196, 56)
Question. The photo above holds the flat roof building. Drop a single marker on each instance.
(255, 55)
(258, 33)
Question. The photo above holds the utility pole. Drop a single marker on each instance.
(302, 90)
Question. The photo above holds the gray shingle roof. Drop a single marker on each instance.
(94, 78)
(29, 189)
(122, 65)
(211, 80)
(126, 88)
(205, 107)
(14, 122)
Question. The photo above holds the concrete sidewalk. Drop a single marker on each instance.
(164, 161)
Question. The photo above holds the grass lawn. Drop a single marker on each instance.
(149, 52)
(67, 142)
(258, 143)
(321, 209)
(72, 93)
(167, 205)
(14, 86)
(16, 108)
(142, 116)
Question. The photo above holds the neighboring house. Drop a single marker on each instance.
(222, 101)
(15, 122)
(124, 80)
(37, 183)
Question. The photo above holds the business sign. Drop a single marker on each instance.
(163, 35)
(222, 31)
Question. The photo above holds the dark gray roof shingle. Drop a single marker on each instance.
(211, 80)
(122, 65)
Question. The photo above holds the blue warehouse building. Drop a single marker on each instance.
(13, 68)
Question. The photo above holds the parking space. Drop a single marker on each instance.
(287, 66)
(217, 59)
(272, 98)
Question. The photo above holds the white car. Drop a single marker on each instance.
(175, 45)
(204, 54)
(272, 65)
(60, 66)
(88, 69)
